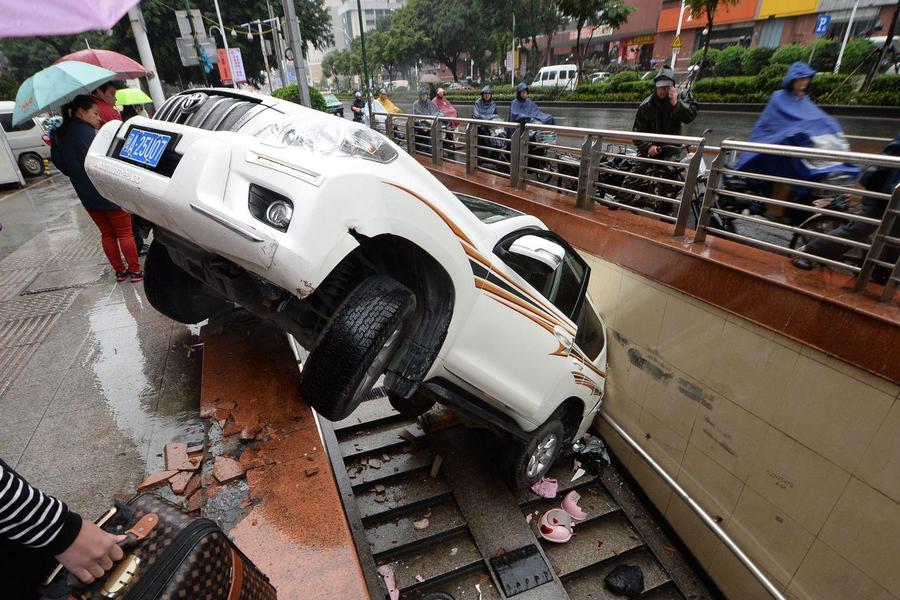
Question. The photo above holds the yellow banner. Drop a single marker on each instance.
(786, 8)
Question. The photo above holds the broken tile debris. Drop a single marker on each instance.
(154, 480)
(226, 469)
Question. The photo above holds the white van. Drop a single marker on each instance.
(26, 141)
(565, 76)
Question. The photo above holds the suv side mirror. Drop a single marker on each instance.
(536, 254)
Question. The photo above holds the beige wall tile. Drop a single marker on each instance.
(623, 373)
(772, 539)
(865, 529)
(614, 442)
(699, 539)
(709, 484)
(765, 332)
(673, 400)
(735, 580)
(751, 370)
(652, 484)
(729, 435)
(879, 383)
(606, 279)
(689, 336)
(639, 311)
(831, 413)
(880, 465)
(797, 480)
(826, 575)
(663, 444)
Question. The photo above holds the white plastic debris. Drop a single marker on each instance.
(577, 474)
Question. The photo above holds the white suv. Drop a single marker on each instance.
(330, 231)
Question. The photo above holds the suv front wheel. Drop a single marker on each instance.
(357, 347)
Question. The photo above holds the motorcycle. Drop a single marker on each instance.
(543, 170)
(656, 188)
(492, 141)
(822, 223)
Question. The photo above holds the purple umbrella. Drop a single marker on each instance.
(59, 17)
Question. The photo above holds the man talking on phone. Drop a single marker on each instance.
(663, 111)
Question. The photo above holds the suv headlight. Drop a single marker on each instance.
(329, 137)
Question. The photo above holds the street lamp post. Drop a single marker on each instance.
(678, 33)
(365, 62)
(234, 83)
(262, 46)
(837, 65)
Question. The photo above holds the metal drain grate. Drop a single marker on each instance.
(37, 305)
(85, 249)
(13, 282)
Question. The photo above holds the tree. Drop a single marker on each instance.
(698, 7)
(447, 27)
(534, 18)
(596, 13)
(27, 56)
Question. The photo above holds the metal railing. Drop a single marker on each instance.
(615, 169)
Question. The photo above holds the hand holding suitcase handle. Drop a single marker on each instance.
(65, 587)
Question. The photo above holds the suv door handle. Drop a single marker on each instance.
(564, 338)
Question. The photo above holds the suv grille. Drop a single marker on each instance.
(209, 109)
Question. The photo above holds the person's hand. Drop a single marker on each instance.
(673, 96)
(92, 553)
(653, 151)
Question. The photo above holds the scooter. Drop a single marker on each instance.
(492, 140)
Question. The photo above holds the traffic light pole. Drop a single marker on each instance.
(139, 28)
(365, 62)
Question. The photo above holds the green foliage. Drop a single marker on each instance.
(712, 58)
(824, 56)
(755, 60)
(726, 85)
(788, 55)
(596, 13)
(825, 85)
(728, 63)
(855, 53)
(640, 87)
(613, 82)
(8, 86)
(886, 84)
(291, 93)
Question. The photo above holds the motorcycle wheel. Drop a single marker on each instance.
(546, 172)
(827, 224)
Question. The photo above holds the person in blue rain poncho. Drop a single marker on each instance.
(524, 110)
(485, 108)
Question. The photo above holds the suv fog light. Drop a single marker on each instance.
(279, 214)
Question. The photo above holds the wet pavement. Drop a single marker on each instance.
(93, 381)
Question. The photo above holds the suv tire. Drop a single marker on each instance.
(533, 459)
(357, 347)
(174, 292)
(410, 407)
(31, 164)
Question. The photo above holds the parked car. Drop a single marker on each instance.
(329, 230)
(26, 141)
(598, 77)
(565, 76)
(460, 85)
(333, 105)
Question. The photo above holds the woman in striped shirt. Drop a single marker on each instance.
(36, 530)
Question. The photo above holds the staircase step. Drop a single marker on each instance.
(461, 587)
(584, 549)
(400, 463)
(562, 472)
(391, 535)
(595, 501)
(411, 490)
(439, 560)
(367, 414)
(379, 438)
(588, 583)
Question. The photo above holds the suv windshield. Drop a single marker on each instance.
(487, 212)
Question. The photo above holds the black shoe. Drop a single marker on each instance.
(802, 263)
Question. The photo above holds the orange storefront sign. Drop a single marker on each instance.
(744, 11)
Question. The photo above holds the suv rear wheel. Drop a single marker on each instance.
(358, 346)
(533, 459)
(174, 292)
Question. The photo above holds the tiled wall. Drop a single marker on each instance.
(797, 454)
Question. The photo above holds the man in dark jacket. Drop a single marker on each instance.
(358, 107)
(874, 179)
(664, 111)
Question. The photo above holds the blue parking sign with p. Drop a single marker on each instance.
(822, 24)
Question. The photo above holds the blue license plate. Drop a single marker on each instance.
(145, 147)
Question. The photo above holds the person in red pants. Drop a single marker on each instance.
(71, 141)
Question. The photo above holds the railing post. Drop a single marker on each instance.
(877, 247)
(709, 198)
(471, 149)
(410, 136)
(523, 157)
(583, 197)
(437, 149)
(389, 127)
(688, 191)
(515, 156)
(596, 160)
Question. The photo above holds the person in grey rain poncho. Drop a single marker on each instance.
(425, 107)
(485, 107)
(524, 110)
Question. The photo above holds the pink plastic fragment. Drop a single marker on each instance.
(577, 465)
(528, 517)
(387, 573)
(545, 488)
(420, 578)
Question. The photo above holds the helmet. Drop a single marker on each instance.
(358, 95)
(423, 91)
(382, 92)
(487, 90)
(522, 87)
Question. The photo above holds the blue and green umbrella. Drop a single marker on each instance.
(56, 85)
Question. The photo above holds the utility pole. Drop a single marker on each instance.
(290, 15)
(187, 7)
(888, 43)
(262, 46)
(139, 28)
(512, 55)
(365, 62)
(837, 65)
(279, 51)
(234, 83)
(678, 34)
